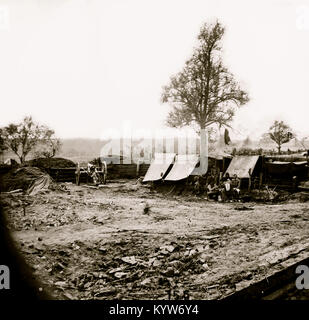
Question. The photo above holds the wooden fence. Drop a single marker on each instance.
(114, 171)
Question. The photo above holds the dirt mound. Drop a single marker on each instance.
(300, 196)
(44, 163)
(30, 179)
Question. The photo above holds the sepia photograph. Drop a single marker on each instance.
(154, 151)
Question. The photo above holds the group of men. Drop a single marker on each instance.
(225, 189)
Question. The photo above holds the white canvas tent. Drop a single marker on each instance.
(159, 166)
(183, 167)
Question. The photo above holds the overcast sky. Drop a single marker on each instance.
(84, 66)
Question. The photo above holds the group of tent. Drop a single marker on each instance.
(172, 167)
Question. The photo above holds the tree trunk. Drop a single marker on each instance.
(21, 159)
(279, 149)
(203, 152)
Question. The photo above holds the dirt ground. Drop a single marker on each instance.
(88, 243)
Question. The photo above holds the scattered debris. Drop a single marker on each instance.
(14, 191)
(120, 274)
(167, 249)
(129, 260)
(95, 248)
(243, 207)
(146, 208)
(30, 180)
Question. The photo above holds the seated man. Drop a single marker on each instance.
(198, 189)
(212, 191)
(226, 188)
(209, 179)
(235, 186)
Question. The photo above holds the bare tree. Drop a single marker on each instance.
(303, 142)
(25, 137)
(3, 146)
(280, 133)
(48, 146)
(204, 92)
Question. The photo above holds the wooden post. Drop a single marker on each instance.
(121, 153)
(104, 168)
(77, 174)
(131, 150)
(137, 167)
(203, 153)
(250, 180)
(261, 180)
(307, 157)
(153, 148)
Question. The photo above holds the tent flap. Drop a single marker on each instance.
(240, 165)
(183, 167)
(159, 166)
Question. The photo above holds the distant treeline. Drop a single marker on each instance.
(261, 151)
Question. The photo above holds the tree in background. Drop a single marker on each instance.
(247, 142)
(49, 146)
(280, 133)
(3, 146)
(303, 142)
(265, 140)
(24, 137)
(204, 92)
